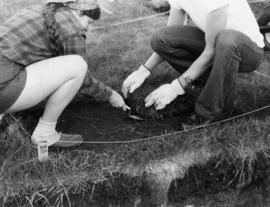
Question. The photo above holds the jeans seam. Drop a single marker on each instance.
(233, 56)
(256, 50)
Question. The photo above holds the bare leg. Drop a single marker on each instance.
(59, 79)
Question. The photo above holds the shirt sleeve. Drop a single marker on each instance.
(74, 45)
(174, 4)
(91, 86)
(212, 5)
(95, 89)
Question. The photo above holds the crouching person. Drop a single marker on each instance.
(223, 42)
(42, 56)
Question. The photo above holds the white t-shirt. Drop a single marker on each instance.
(240, 15)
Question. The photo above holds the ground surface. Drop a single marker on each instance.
(205, 185)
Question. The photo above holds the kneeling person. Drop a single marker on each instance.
(42, 55)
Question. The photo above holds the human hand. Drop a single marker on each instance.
(135, 80)
(117, 101)
(164, 95)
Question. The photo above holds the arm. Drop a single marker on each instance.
(137, 77)
(216, 22)
(166, 93)
(176, 17)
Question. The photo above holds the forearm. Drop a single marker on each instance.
(153, 61)
(216, 22)
(95, 89)
(176, 17)
(199, 67)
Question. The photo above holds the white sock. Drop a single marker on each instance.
(45, 132)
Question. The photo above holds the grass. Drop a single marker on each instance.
(113, 54)
(238, 143)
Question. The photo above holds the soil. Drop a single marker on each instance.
(206, 185)
(101, 122)
(202, 186)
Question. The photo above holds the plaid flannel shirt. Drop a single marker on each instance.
(24, 40)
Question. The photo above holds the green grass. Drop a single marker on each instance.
(113, 54)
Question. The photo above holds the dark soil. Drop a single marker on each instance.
(101, 122)
(208, 185)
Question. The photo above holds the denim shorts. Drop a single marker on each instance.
(12, 82)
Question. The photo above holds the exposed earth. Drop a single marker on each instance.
(206, 185)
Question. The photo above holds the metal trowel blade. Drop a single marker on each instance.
(134, 117)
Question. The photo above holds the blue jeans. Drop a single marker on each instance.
(234, 52)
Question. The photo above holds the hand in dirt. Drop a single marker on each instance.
(164, 95)
(135, 80)
(117, 101)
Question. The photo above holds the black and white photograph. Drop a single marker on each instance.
(134, 103)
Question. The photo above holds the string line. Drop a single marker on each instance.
(168, 134)
(149, 17)
(173, 133)
(129, 21)
(182, 131)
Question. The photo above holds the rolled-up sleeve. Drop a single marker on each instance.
(94, 88)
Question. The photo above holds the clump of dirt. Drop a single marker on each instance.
(181, 105)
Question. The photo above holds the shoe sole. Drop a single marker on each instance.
(55, 146)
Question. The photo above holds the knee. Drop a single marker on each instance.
(79, 64)
(158, 40)
(227, 39)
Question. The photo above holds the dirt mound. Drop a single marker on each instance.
(181, 105)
